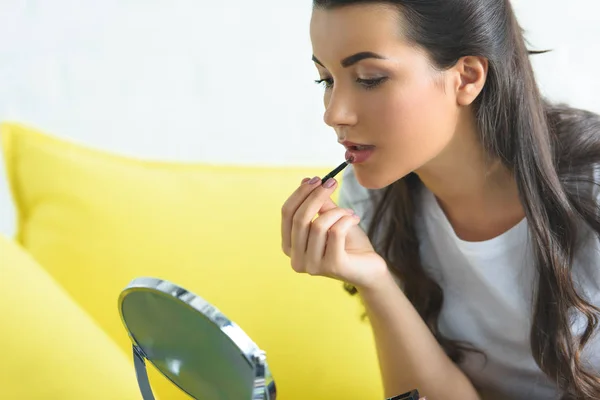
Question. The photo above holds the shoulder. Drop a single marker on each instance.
(588, 259)
(352, 194)
(587, 282)
(356, 197)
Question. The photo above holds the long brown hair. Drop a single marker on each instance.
(550, 149)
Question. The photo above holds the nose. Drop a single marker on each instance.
(339, 110)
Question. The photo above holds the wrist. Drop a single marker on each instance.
(380, 280)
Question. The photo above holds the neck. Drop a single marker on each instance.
(479, 195)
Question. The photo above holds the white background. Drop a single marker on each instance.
(216, 81)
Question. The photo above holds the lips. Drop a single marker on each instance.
(358, 152)
(360, 147)
(356, 146)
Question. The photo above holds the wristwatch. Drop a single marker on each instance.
(412, 395)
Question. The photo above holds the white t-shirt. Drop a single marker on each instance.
(488, 288)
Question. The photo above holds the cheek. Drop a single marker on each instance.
(416, 114)
(412, 124)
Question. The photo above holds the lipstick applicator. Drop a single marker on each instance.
(337, 170)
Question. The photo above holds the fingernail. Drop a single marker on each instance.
(313, 180)
(304, 181)
(330, 182)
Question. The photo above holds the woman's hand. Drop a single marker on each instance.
(331, 245)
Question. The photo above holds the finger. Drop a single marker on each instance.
(336, 240)
(305, 214)
(327, 205)
(317, 237)
(289, 209)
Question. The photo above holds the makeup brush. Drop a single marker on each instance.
(337, 170)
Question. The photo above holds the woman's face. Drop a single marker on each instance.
(393, 100)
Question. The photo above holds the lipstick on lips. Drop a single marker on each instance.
(359, 152)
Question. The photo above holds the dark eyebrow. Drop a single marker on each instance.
(353, 59)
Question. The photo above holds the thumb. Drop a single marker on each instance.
(328, 205)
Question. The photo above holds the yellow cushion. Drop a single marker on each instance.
(51, 349)
(97, 220)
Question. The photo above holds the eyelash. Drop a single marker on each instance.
(367, 83)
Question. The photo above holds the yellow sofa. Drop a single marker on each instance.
(90, 221)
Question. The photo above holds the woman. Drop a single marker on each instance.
(480, 266)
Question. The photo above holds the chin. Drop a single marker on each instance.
(375, 181)
(371, 182)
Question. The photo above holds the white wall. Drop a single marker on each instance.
(219, 81)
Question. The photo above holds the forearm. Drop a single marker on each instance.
(409, 355)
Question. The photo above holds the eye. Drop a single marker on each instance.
(371, 83)
(326, 82)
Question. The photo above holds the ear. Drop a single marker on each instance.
(471, 73)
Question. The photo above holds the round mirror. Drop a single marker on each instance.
(192, 344)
